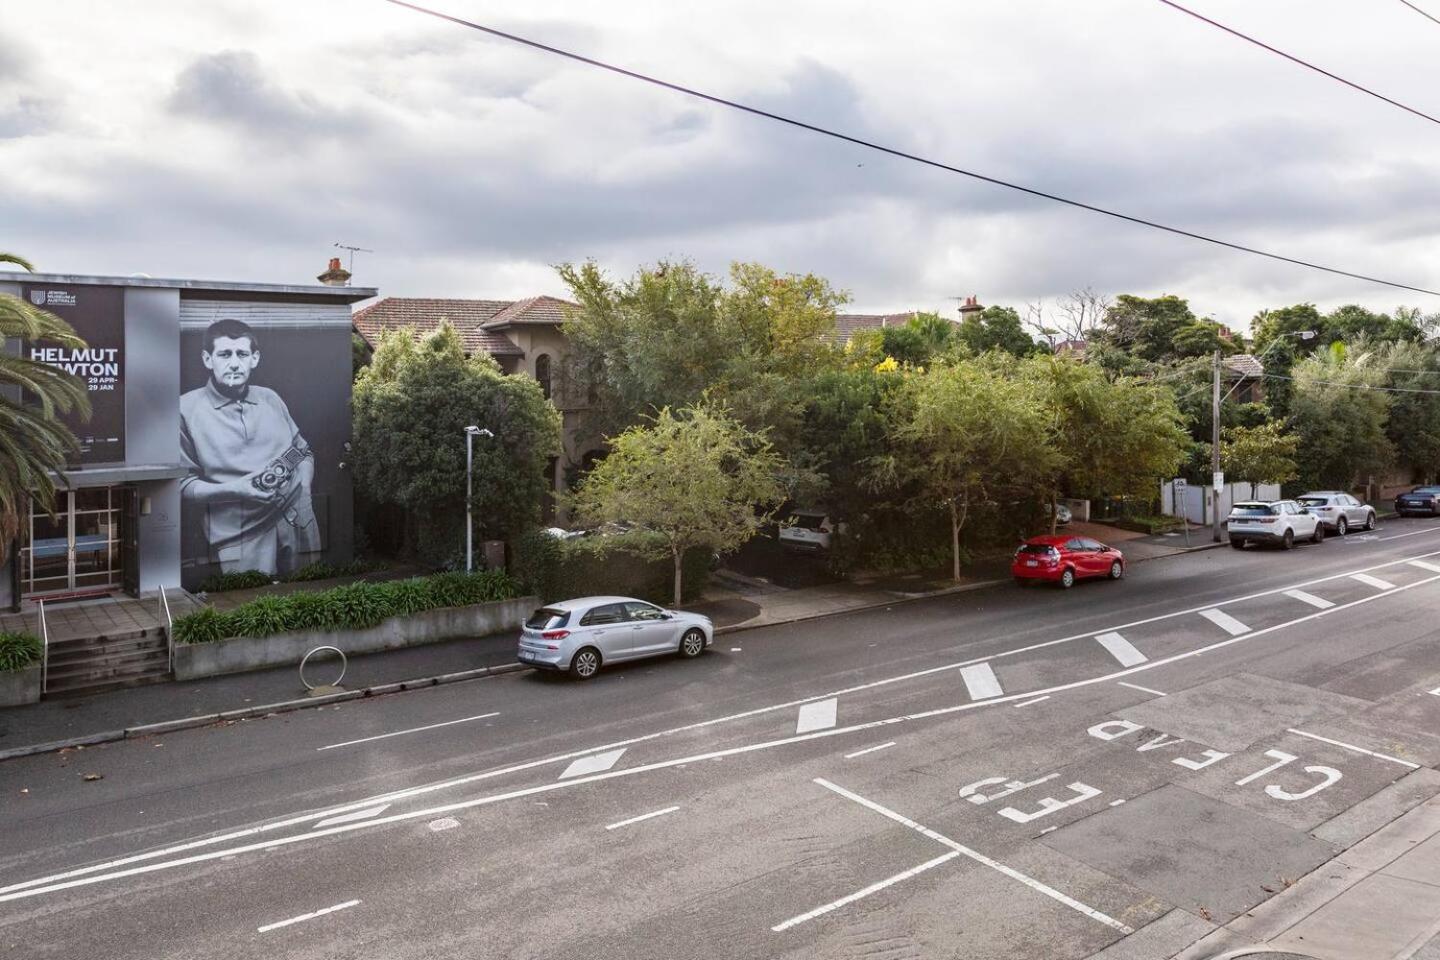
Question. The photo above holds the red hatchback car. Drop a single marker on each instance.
(1064, 559)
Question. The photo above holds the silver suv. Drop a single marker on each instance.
(1280, 522)
(1338, 511)
(581, 635)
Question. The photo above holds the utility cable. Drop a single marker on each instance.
(1304, 63)
(1353, 386)
(1419, 11)
(894, 152)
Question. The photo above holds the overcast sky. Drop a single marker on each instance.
(238, 139)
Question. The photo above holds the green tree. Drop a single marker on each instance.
(411, 407)
(1261, 454)
(692, 478)
(34, 444)
(965, 433)
(996, 328)
(1340, 420)
(1115, 438)
(1414, 423)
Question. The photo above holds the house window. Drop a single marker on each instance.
(542, 373)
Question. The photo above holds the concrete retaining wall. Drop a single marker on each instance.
(241, 654)
(20, 686)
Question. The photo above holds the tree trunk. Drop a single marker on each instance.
(679, 559)
(1054, 512)
(1254, 490)
(957, 520)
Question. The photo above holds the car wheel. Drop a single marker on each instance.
(1370, 520)
(1319, 535)
(692, 644)
(1237, 544)
(1288, 540)
(1117, 570)
(1067, 579)
(1342, 527)
(585, 664)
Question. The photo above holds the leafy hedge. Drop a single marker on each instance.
(353, 606)
(246, 579)
(18, 650)
(599, 566)
(1151, 525)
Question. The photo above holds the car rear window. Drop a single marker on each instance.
(547, 619)
(1315, 501)
(809, 521)
(1253, 510)
(1426, 490)
(1036, 548)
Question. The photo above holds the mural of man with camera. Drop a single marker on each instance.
(250, 469)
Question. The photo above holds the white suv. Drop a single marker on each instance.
(1280, 522)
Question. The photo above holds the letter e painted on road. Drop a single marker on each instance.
(1211, 756)
(1049, 805)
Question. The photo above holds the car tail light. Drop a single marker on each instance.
(554, 634)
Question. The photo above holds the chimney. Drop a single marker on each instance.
(971, 305)
(335, 275)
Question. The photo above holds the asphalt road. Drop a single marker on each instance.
(1004, 773)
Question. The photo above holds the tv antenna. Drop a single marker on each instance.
(353, 251)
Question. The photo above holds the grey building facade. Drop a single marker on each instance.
(252, 477)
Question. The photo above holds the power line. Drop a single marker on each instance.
(1353, 386)
(1418, 10)
(892, 151)
(1304, 63)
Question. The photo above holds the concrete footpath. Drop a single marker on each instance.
(734, 603)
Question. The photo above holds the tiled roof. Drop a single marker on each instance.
(849, 324)
(1245, 365)
(424, 314)
(546, 310)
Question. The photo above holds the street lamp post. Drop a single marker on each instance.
(470, 433)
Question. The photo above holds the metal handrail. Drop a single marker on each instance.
(164, 606)
(44, 646)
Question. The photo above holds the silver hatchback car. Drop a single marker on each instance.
(1338, 510)
(581, 635)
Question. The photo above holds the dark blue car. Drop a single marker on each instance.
(1422, 501)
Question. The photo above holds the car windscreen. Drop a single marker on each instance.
(1253, 510)
(1036, 548)
(547, 619)
(810, 521)
(1315, 501)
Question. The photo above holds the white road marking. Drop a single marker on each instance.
(94, 873)
(1370, 581)
(1415, 533)
(365, 814)
(1121, 649)
(1435, 692)
(1424, 565)
(1136, 686)
(734, 649)
(444, 823)
(817, 716)
(861, 894)
(980, 681)
(1116, 803)
(1225, 622)
(585, 766)
(980, 858)
(397, 733)
(1351, 746)
(307, 916)
(1036, 700)
(643, 816)
(1310, 598)
(861, 753)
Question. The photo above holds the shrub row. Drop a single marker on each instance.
(18, 650)
(245, 579)
(353, 606)
(602, 566)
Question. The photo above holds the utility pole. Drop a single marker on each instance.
(1216, 477)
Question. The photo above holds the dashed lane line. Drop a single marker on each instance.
(644, 816)
(1425, 565)
(93, 873)
(1225, 622)
(308, 916)
(1121, 649)
(981, 682)
(819, 715)
(1136, 686)
(861, 753)
(262, 829)
(397, 733)
(1036, 700)
(1375, 582)
(1318, 602)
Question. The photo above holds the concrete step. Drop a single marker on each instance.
(67, 644)
(105, 666)
(118, 682)
(72, 654)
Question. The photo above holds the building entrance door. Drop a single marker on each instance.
(78, 551)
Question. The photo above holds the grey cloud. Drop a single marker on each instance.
(229, 87)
